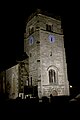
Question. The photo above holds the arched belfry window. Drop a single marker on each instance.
(53, 74)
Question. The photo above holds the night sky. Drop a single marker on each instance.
(12, 27)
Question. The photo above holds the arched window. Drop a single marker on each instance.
(52, 76)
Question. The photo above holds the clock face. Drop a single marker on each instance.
(51, 38)
(31, 40)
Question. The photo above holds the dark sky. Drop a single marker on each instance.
(12, 27)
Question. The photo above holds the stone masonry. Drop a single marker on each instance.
(40, 60)
(44, 45)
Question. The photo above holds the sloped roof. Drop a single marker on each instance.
(19, 59)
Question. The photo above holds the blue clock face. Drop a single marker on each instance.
(51, 38)
(31, 40)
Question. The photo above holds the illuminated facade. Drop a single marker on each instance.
(45, 68)
(16, 79)
(12, 81)
(44, 44)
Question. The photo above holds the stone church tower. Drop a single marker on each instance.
(44, 44)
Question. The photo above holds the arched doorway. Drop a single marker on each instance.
(54, 93)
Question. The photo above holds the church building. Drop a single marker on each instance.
(46, 67)
(44, 44)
